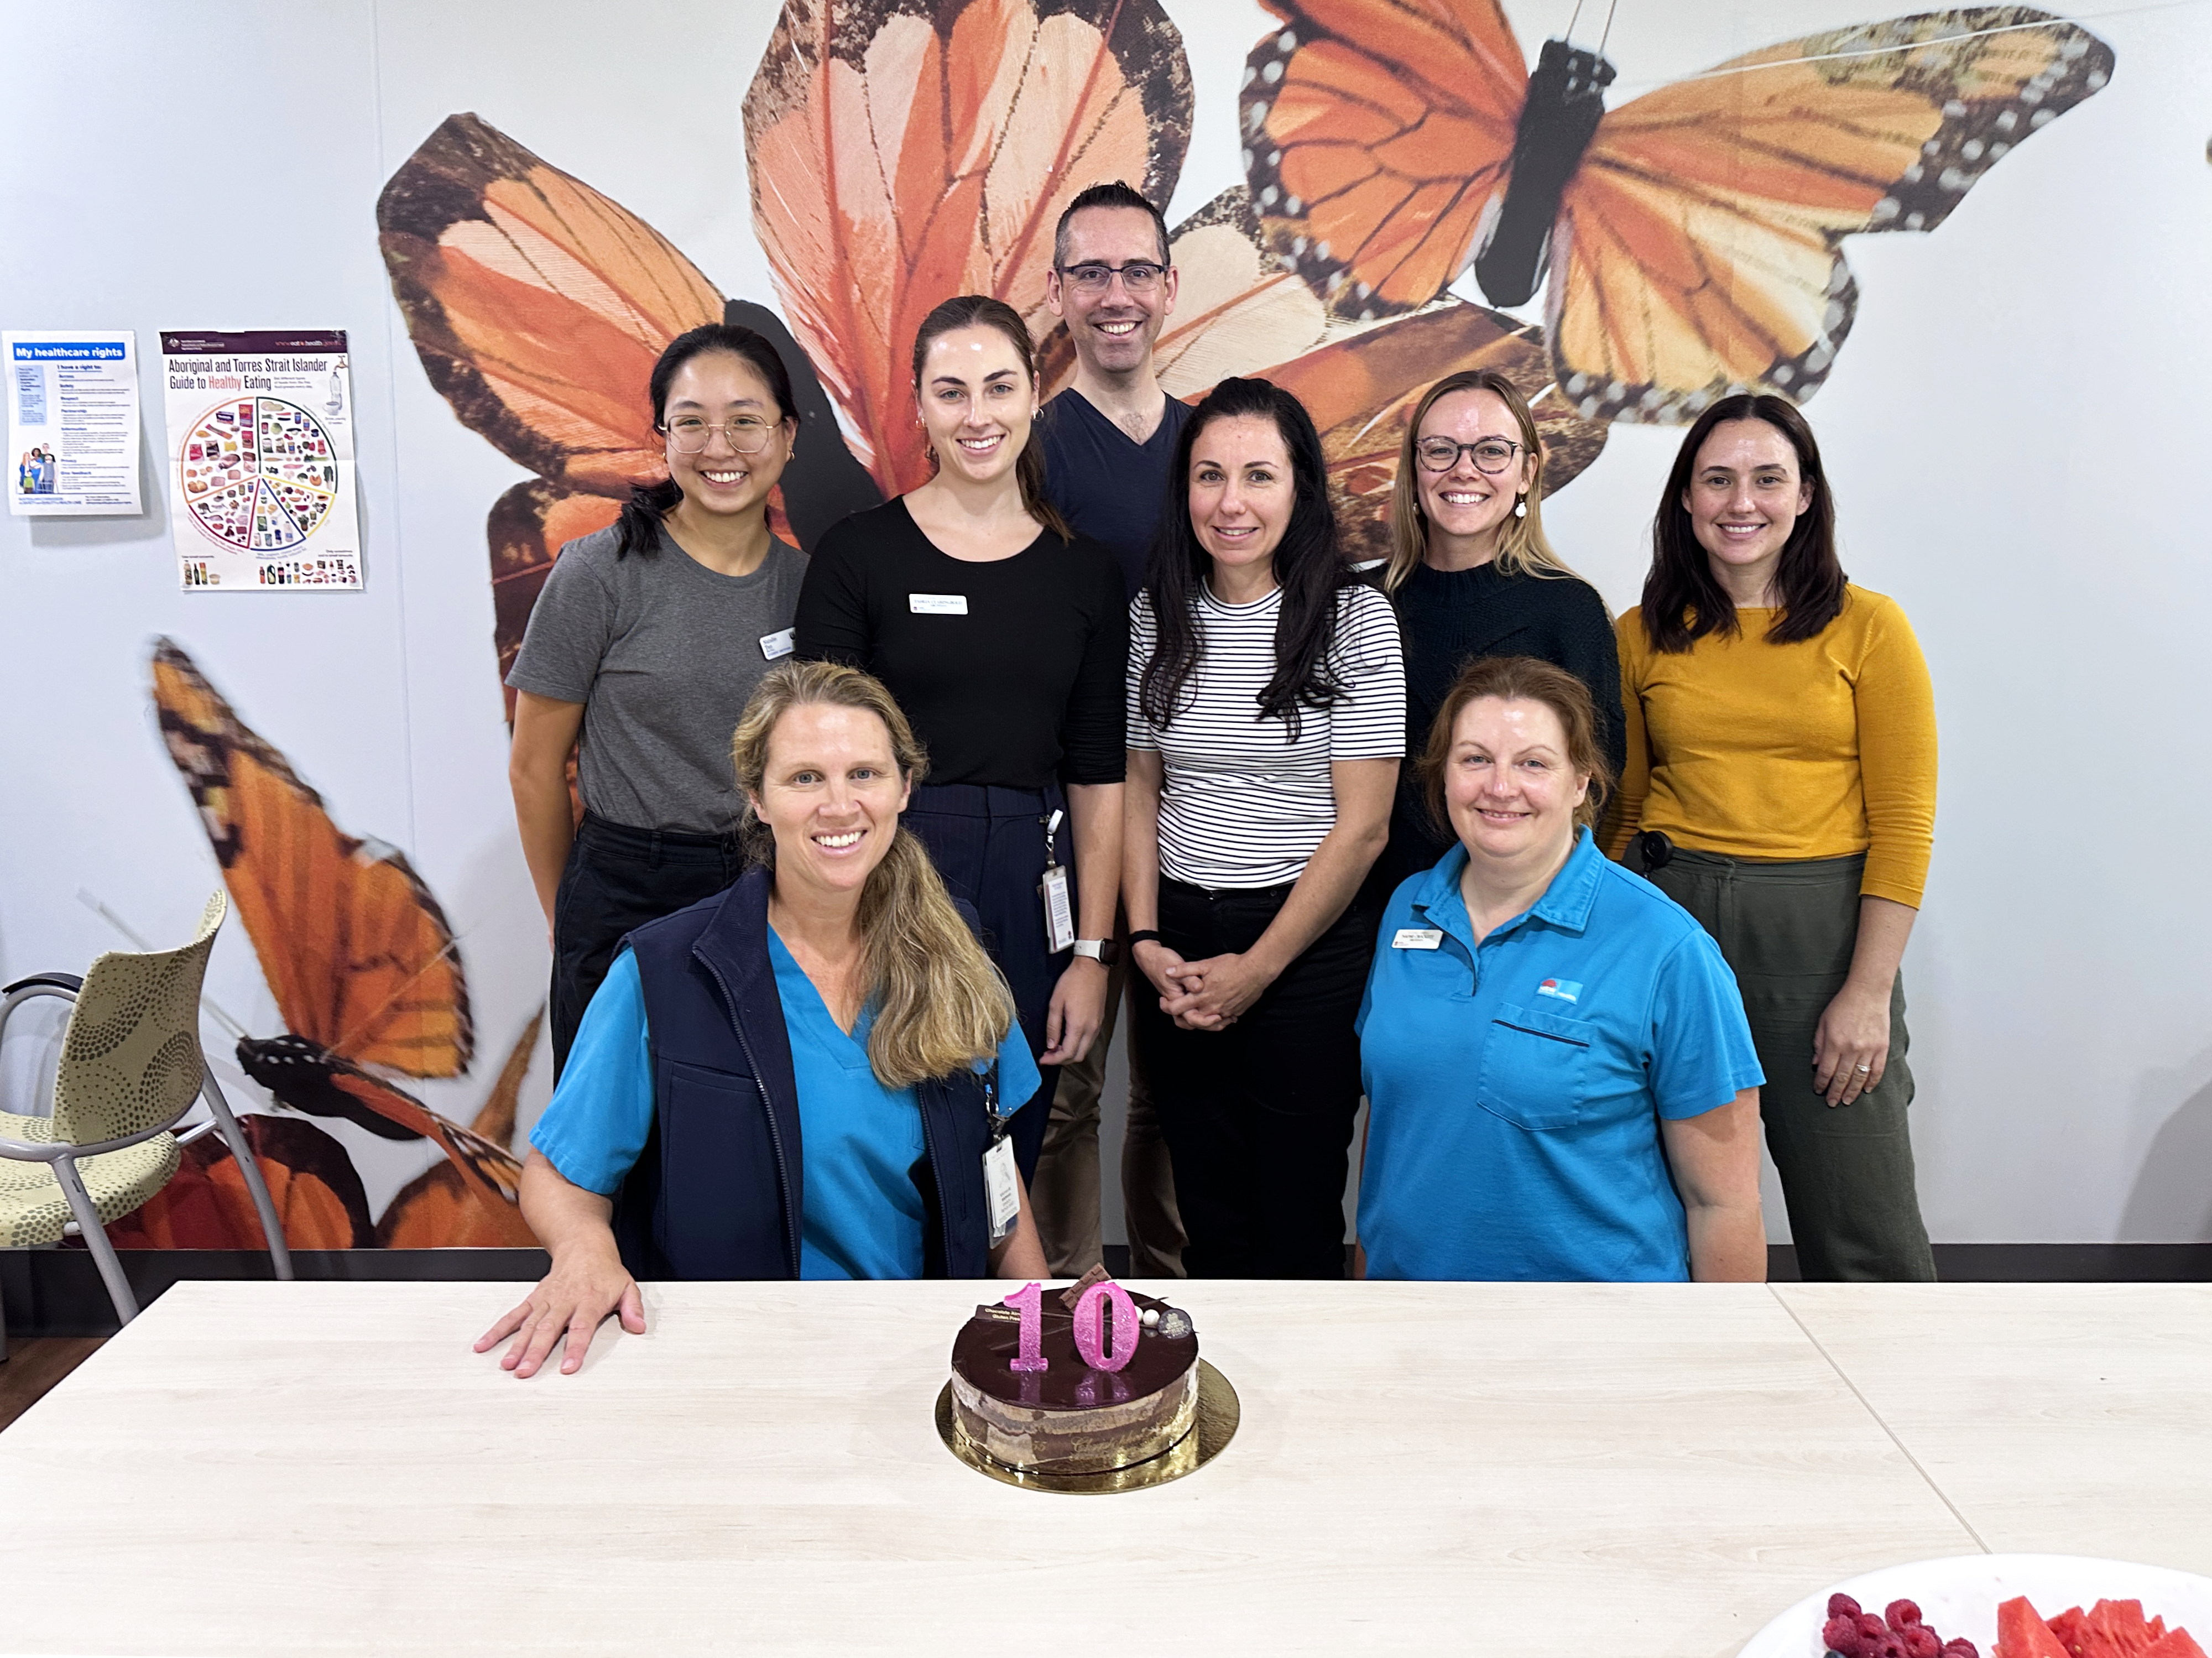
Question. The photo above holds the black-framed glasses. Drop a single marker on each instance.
(747, 434)
(1138, 276)
(1492, 455)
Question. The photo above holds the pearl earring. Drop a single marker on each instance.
(1520, 506)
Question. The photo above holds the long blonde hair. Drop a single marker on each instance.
(941, 1003)
(1522, 548)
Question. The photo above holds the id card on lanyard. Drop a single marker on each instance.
(1002, 1190)
(1059, 906)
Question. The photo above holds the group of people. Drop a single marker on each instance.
(876, 843)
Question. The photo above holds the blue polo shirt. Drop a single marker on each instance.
(859, 1140)
(1516, 1086)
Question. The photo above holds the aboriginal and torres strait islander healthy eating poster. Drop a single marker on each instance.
(261, 459)
(1393, 192)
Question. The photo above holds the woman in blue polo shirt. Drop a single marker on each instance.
(1561, 1081)
(793, 1078)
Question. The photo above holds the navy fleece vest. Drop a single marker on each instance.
(719, 1192)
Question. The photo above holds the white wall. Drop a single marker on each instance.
(2013, 430)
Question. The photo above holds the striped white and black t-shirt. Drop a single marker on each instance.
(1242, 806)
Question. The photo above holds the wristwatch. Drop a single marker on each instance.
(1104, 951)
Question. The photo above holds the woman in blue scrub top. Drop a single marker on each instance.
(799, 1077)
(1561, 1081)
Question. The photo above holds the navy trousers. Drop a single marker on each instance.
(989, 843)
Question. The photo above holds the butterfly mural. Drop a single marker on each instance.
(900, 152)
(367, 979)
(1689, 243)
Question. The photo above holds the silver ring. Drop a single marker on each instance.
(1866, 1067)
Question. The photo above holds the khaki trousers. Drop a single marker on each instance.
(1066, 1193)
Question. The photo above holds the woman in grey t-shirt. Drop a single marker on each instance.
(646, 641)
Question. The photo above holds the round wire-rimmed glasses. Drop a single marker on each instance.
(1492, 455)
(746, 434)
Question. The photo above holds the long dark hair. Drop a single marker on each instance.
(1306, 566)
(1682, 602)
(649, 503)
(981, 311)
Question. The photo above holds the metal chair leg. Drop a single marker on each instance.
(272, 1230)
(96, 1238)
(3, 1324)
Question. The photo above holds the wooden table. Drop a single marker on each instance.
(1606, 1472)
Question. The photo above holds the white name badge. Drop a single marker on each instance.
(937, 604)
(1059, 910)
(1417, 937)
(1000, 1190)
(777, 645)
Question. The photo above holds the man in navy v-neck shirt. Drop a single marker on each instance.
(1109, 440)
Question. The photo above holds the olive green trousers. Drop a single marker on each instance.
(1788, 930)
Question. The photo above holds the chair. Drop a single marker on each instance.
(130, 1067)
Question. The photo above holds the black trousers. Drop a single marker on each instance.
(618, 877)
(1258, 1117)
(989, 843)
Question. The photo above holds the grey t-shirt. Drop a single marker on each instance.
(663, 653)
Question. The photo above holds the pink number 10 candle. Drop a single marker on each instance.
(1029, 1302)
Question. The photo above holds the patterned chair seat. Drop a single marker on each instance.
(34, 1210)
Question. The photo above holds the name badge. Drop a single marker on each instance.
(1417, 937)
(1000, 1189)
(775, 645)
(937, 604)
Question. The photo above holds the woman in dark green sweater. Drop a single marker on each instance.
(1471, 575)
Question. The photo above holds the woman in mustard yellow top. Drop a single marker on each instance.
(1780, 785)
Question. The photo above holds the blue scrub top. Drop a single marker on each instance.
(860, 1141)
(1515, 1085)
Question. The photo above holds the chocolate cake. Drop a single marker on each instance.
(1070, 1418)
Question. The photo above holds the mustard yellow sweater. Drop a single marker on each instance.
(1817, 750)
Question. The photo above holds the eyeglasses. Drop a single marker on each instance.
(1138, 276)
(1492, 455)
(746, 434)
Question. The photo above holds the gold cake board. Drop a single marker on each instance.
(1219, 1413)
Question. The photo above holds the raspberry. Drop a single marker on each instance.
(1842, 1635)
(1921, 1642)
(1902, 1613)
(1961, 1648)
(1873, 1628)
(1842, 1605)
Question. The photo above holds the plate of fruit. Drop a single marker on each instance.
(1999, 1605)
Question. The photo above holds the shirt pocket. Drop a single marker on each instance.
(1535, 1068)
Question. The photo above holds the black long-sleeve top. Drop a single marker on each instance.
(1011, 671)
(1447, 618)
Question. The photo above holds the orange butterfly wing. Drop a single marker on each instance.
(1377, 135)
(903, 152)
(1362, 392)
(468, 1201)
(538, 305)
(1699, 249)
(205, 1206)
(357, 951)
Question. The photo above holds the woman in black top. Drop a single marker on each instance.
(1004, 638)
(1471, 575)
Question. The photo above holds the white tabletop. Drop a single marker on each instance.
(1583, 1470)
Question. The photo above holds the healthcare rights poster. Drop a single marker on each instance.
(72, 422)
(261, 459)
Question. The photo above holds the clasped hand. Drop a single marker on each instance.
(1204, 995)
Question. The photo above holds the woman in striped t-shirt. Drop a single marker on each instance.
(1267, 720)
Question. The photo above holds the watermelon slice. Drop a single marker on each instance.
(2115, 1629)
(2022, 1634)
(2174, 1643)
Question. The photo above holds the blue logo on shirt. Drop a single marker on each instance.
(1567, 990)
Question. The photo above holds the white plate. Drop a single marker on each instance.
(1960, 1596)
